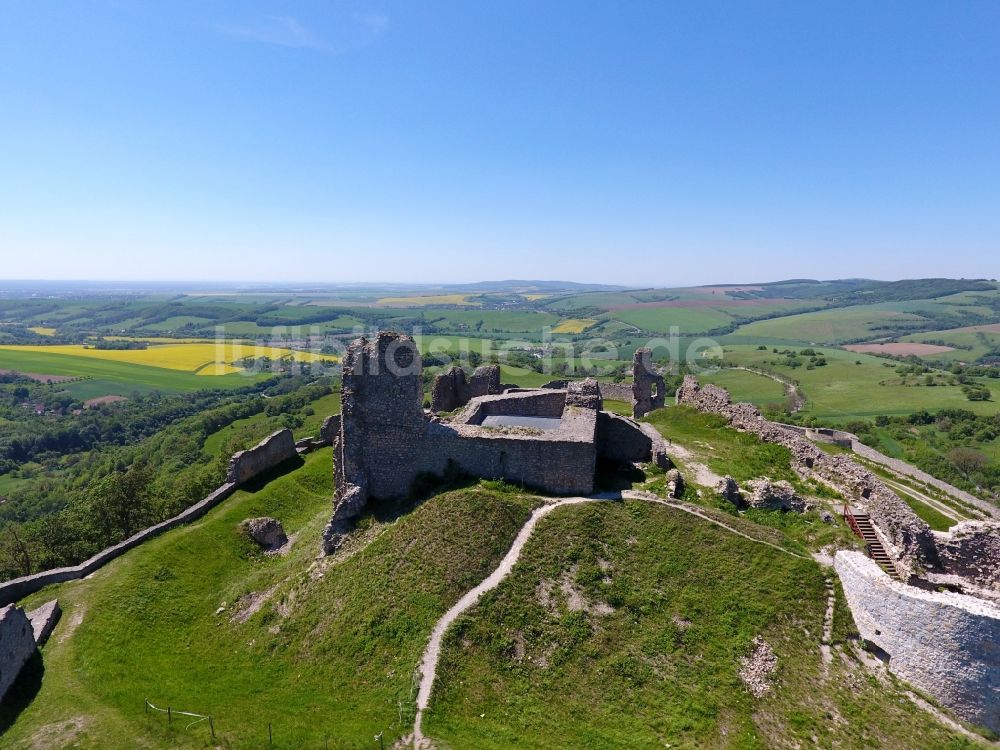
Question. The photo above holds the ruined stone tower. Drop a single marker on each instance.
(648, 388)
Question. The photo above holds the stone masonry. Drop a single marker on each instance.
(451, 389)
(17, 645)
(268, 453)
(943, 643)
(648, 388)
(386, 441)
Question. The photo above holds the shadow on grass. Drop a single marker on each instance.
(613, 476)
(22, 692)
(261, 480)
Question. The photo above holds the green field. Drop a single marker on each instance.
(690, 320)
(748, 386)
(105, 377)
(831, 326)
(969, 345)
(844, 390)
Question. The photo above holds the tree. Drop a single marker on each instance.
(967, 460)
(120, 504)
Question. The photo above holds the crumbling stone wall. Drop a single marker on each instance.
(908, 537)
(943, 643)
(452, 390)
(17, 645)
(972, 550)
(273, 450)
(648, 387)
(625, 441)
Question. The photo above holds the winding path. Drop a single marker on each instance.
(429, 662)
(432, 653)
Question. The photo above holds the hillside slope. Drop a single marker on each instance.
(329, 651)
(622, 625)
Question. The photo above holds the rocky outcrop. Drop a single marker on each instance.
(270, 452)
(265, 531)
(729, 490)
(780, 495)
(675, 484)
(943, 643)
(17, 645)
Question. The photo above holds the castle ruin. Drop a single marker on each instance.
(547, 439)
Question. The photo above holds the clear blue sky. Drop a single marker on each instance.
(643, 143)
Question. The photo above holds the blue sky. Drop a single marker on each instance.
(642, 143)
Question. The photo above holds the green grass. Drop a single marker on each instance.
(689, 320)
(844, 390)
(831, 326)
(332, 652)
(738, 454)
(661, 667)
(116, 378)
(748, 386)
(933, 517)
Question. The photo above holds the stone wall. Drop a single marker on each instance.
(648, 387)
(386, 442)
(908, 538)
(17, 588)
(452, 390)
(17, 645)
(945, 644)
(273, 450)
(850, 440)
(972, 550)
(623, 440)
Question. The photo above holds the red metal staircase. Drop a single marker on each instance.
(861, 524)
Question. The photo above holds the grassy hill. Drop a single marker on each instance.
(623, 625)
(330, 651)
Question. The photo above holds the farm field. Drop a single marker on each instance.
(490, 321)
(831, 326)
(844, 390)
(208, 359)
(574, 325)
(103, 377)
(428, 300)
(690, 320)
(969, 343)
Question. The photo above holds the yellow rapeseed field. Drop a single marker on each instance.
(43, 331)
(214, 358)
(573, 325)
(438, 299)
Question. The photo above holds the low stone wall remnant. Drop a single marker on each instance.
(270, 452)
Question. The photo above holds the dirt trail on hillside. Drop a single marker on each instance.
(429, 662)
(432, 653)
